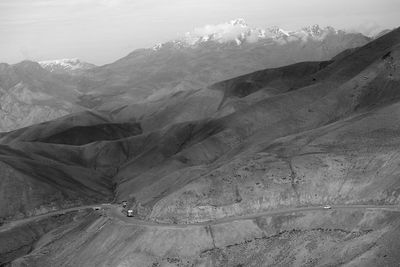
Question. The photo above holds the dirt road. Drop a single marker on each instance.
(11, 224)
(114, 211)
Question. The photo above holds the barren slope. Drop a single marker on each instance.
(217, 150)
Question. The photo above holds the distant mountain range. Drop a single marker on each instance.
(238, 31)
(205, 56)
(66, 65)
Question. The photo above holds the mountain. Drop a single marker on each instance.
(150, 78)
(71, 66)
(208, 55)
(233, 174)
(29, 94)
(237, 31)
(231, 143)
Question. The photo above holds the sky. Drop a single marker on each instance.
(102, 31)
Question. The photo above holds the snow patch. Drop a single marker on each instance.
(67, 64)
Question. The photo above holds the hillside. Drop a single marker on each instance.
(30, 95)
(227, 150)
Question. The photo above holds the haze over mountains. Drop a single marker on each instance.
(212, 131)
(147, 75)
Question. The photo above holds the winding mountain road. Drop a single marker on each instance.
(115, 211)
(11, 224)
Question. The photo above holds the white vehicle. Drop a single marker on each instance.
(129, 213)
(327, 207)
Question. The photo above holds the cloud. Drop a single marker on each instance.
(224, 32)
(368, 28)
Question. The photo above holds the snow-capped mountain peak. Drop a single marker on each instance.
(234, 30)
(314, 30)
(276, 32)
(238, 32)
(66, 64)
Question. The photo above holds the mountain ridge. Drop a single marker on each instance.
(69, 65)
(238, 32)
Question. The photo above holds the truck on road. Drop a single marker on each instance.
(129, 213)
